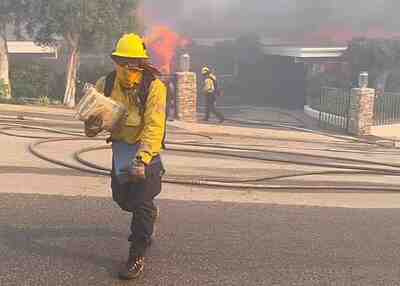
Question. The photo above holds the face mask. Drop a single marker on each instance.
(129, 78)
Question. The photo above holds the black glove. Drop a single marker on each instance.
(136, 171)
(93, 126)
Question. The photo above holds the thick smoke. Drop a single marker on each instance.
(228, 18)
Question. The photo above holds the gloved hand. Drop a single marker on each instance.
(93, 126)
(136, 171)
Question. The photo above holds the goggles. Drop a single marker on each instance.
(130, 64)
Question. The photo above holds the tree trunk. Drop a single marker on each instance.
(72, 71)
(4, 63)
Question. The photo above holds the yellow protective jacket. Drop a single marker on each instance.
(148, 129)
(209, 87)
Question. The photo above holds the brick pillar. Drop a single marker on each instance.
(361, 112)
(186, 96)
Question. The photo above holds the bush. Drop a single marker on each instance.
(374, 56)
(44, 100)
(3, 89)
(12, 101)
(29, 79)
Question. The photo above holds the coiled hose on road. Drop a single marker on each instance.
(93, 168)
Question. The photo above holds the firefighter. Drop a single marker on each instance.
(135, 84)
(211, 91)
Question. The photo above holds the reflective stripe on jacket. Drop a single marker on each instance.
(209, 87)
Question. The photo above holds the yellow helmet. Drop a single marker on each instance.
(205, 70)
(131, 46)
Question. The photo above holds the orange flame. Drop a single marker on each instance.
(163, 44)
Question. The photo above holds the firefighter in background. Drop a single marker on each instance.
(211, 91)
(134, 83)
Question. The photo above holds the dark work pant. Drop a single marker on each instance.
(138, 199)
(212, 108)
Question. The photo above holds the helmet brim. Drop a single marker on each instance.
(121, 55)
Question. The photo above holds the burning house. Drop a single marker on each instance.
(294, 40)
(165, 45)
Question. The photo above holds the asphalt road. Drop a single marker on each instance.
(57, 240)
(54, 240)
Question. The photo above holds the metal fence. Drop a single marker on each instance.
(334, 108)
(387, 108)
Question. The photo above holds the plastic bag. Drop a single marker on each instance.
(94, 103)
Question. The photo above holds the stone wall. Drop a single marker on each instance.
(186, 96)
(361, 112)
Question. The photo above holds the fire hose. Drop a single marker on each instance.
(96, 169)
(99, 170)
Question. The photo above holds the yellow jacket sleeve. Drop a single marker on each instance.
(154, 122)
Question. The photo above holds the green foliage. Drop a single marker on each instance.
(90, 23)
(82, 24)
(16, 101)
(9, 8)
(11, 11)
(6, 11)
(30, 79)
(44, 100)
(3, 89)
(373, 55)
(14, 11)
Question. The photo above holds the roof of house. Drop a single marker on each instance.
(271, 46)
(29, 47)
(211, 42)
(305, 52)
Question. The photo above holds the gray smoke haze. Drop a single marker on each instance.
(229, 18)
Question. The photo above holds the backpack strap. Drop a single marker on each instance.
(143, 94)
(144, 90)
(109, 83)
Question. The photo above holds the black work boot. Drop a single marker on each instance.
(134, 267)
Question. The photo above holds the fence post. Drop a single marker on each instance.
(361, 112)
(186, 96)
